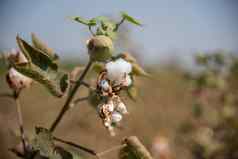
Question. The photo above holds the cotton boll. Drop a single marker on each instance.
(104, 85)
(121, 107)
(107, 124)
(17, 80)
(116, 117)
(127, 81)
(116, 70)
(110, 106)
(100, 48)
(124, 65)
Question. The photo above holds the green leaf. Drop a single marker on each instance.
(42, 69)
(81, 20)
(37, 43)
(43, 142)
(130, 19)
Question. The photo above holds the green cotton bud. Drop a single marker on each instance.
(100, 48)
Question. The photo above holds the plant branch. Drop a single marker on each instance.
(20, 120)
(111, 149)
(90, 29)
(70, 97)
(118, 24)
(80, 99)
(86, 84)
(90, 151)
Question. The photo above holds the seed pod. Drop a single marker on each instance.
(100, 48)
(16, 80)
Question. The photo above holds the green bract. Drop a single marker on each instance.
(100, 48)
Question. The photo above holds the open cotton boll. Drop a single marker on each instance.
(121, 108)
(17, 80)
(116, 70)
(116, 117)
(104, 85)
(127, 81)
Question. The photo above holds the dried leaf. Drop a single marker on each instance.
(138, 70)
(37, 43)
(35, 55)
(41, 68)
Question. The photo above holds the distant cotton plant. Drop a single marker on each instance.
(212, 132)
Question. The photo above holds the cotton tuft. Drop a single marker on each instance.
(117, 70)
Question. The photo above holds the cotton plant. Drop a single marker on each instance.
(39, 63)
(115, 77)
(212, 132)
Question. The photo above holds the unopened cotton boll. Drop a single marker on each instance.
(116, 70)
(17, 80)
(116, 117)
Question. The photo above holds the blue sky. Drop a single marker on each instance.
(181, 26)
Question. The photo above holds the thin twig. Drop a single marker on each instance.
(90, 29)
(70, 97)
(111, 149)
(86, 84)
(20, 120)
(80, 100)
(118, 24)
(72, 104)
(90, 151)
